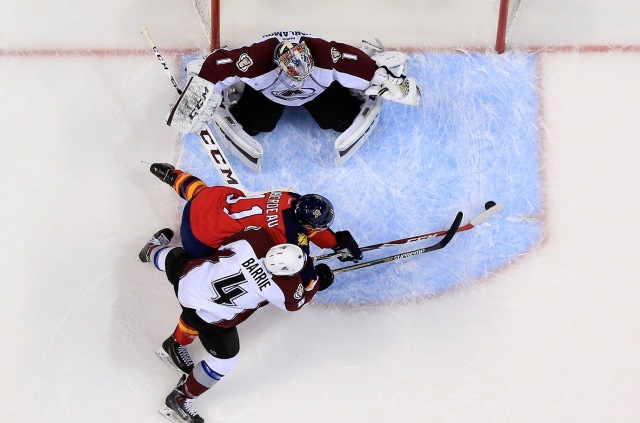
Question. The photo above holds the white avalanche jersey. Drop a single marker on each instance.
(228, 287)
(255, 66)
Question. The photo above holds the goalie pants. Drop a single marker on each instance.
(335, 108)
(218, 341)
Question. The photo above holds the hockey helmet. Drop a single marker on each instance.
(314, 211)
(294, 59)
(285, 260)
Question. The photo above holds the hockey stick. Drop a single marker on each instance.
(205, 136)
(144, 31)
(475, 222)
(443, 243)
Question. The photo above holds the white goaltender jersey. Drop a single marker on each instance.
(255, 66)
(228, 287)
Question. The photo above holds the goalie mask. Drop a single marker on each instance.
(285, 260)
(294, 60)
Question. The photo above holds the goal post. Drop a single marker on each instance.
(208, 12)
(507, 12)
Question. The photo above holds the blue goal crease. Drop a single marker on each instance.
(474, 138)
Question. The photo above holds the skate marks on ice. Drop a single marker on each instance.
(473, 139)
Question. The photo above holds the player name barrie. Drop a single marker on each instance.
(257, 273)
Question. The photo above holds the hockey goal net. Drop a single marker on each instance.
(507, 13)
(208, 12)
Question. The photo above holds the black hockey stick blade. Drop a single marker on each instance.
(441, 244)
(450, 233)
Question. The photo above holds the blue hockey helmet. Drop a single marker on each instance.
(314, 211)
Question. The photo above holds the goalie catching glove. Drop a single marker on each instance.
(400, 89)
(347, 247)
(195, 107)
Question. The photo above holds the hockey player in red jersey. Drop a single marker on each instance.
(216, 294)
(212, 214)
(339, 85)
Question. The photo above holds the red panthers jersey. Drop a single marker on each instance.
(219, 212)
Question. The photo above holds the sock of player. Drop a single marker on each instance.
(207, 373)
(187, 185)
(159, 255)
(184, 334)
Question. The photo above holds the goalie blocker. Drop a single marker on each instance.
(195, 107)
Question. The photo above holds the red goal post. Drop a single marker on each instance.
(208, 12)
(507, 13)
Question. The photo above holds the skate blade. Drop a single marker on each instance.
(168, 414)
(165, 357)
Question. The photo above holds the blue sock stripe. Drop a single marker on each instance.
(156, 253)
(211, 373)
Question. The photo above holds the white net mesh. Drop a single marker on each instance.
(514, 6)
(203, 10)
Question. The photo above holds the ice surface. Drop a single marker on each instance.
(551, 337)
(474, 138)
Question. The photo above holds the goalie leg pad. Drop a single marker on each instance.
(355, 136)
(236, 140)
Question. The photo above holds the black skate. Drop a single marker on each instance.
(175, 355)
(164, 172)
(162, 237)
(179, 407)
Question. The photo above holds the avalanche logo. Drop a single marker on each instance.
(296, 94)
(335, 55)
(244, 62)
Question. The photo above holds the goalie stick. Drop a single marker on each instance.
(205, 136)
(443, 243)
(475, 222)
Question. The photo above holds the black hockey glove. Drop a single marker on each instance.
(347, 247)
(325, 276)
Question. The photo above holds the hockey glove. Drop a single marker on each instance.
(400, 88)
(347, 247)
(195, 107)
(325, 276)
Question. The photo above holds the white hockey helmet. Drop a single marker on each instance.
(294, 59)
(285, 260)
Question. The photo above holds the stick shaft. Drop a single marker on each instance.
(475, 222)
(145, 31)
(443, 243)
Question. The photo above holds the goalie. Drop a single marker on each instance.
(244, 91)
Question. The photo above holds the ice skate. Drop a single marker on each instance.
(164, 172)
(175, 355)
(162, 237)
(179, 407)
